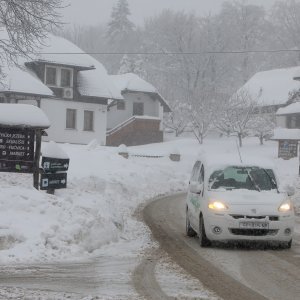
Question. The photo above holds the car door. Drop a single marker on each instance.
(194, 192)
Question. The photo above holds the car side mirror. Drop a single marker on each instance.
(196, 187)
(290, 190)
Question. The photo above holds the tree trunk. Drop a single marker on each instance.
(240, 140)
(261, 139)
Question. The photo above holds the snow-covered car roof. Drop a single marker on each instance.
(133, 83)
(222, 161)
(23, 115)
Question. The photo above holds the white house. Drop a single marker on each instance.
(137, 119)
(289, 116)
(72, 89)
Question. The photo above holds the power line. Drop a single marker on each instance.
(170, 53)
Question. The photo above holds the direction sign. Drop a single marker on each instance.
(50, 164)
(53, 181)
(16, 144)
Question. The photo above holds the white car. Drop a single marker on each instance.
(230, 200)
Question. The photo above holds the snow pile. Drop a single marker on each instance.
(23, 115)
(54, 151)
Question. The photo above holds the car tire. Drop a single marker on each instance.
(188, 229)
(289, 244)
(203, 240)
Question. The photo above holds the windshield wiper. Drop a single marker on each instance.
(272, 180)
(253, 181)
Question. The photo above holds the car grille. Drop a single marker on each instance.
(253, 232)
(271, 218)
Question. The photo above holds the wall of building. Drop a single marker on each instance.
(138, 132)
(281, 121)
(56, 112)
(151, 108)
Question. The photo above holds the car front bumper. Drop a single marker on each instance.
(225, 227)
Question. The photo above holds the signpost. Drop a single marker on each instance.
(16, 150)
(50, 164)
(288, 149)
(54, 165)
(52, 181)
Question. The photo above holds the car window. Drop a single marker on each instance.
(250, 178)
(201, 175)
(195, 172)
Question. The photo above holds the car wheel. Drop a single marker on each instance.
(289, 244)
(188, 229)
(203, 240)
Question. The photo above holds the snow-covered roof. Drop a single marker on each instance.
(22, 115)
(93, 81)
(133, 83)
(23, 81)
(286, 134)
(273, 87)
(290, 109)
(58, 50)
(96, 83)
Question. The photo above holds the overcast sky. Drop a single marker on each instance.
(92, 12)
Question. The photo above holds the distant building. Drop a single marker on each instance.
(289, 116)
(138, 119)
(273, 89)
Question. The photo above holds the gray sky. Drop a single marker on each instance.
(92, 12)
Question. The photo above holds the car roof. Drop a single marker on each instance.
(213, 162)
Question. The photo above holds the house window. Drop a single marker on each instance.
(58, 77)
(88, 120)
(71, 118)
(121, 105)
(51, 75)
(138, 109)
(65, 77)
(293, 121)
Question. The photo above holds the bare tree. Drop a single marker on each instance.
(236, 115)
(23, 26)
(179, 119)
(262, 124)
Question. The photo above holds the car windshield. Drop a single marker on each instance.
(250, 178)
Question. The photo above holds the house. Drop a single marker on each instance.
(289, 116)
(138, 119)
(273, 89)
(70, 86)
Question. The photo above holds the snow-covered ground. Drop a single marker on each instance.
(96, 211)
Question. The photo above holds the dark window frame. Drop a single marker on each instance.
(88, 125)
(138, 109)
(73, 119)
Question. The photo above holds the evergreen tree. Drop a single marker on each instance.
(120, 28)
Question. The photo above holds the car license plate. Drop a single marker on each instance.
(254, 225)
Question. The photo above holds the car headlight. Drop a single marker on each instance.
(217, 205)
(285, 206)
